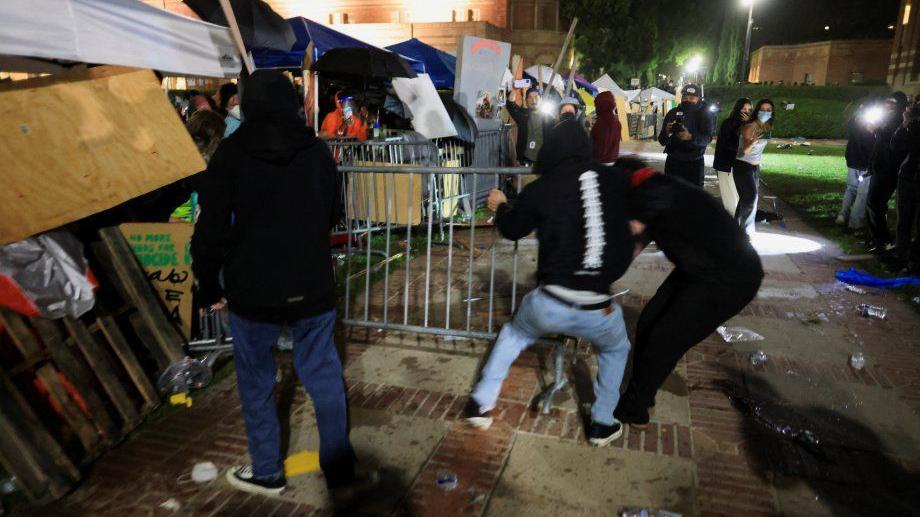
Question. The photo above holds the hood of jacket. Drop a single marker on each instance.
(272, 129)
(567, 145)
(604, 104)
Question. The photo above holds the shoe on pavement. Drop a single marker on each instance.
(600, 435)
(634, 417)
(344, 497)
(241, 477)
(475, 416)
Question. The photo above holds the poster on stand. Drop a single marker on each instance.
(481, 67)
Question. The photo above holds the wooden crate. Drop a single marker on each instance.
(72, 388)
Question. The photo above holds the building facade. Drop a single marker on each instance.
(533, 27)
(904, 67)
(835, 62)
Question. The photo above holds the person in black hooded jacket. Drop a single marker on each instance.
(716, 274)
(727, 150)
(578, 209)
(268, 200)
(883, 168)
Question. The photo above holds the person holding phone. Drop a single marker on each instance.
(727, 149)
(685, 134)
(752, 141)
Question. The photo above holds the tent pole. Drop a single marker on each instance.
(565, 46)
(237, 37)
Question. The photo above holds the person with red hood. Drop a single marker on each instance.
(606, 131)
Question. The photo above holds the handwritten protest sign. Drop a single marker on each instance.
(163, 251)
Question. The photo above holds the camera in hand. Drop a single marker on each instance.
(678, 123)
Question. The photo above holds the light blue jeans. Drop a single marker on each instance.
(854, 198)
(539, 315)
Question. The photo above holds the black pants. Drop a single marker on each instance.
(746, 177)
(909, 220)
(681, 314)
(692, 171)
(881, 188)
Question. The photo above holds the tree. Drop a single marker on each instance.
(727, 65)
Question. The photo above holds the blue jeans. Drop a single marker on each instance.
(540, 314)
(853, 210)
(317, 364)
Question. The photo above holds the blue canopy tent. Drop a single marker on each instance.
(439, 65)
(324, 39)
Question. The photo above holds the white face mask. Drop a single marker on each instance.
(235, 112)
(764, 116)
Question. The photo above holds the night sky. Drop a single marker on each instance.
(798, 21)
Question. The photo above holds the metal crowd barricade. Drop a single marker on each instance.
(433, 266)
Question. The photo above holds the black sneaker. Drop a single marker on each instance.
(475, 416)
(600, 435)
(241, 478)
(634, 417)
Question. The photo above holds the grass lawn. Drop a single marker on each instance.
(813, 185)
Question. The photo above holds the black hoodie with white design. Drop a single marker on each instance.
(578, 209)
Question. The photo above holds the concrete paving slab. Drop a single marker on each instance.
(548, 477)
(398, 445)
(422, 369)
(825, 341)
(777, 290)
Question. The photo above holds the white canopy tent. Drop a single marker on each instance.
(544, 73)
(112, 32)
(605, 83)
(655, 95)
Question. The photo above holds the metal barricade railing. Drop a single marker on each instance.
(415, 286)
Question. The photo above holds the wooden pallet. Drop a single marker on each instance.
(98, 371)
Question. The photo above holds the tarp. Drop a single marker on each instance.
(581, 82)
(114, 32)
(605, 83)
(439, 65)
(323, 38)
(857, 277)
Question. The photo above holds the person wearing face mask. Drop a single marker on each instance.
(883, 168)
(727, 149)
(334, 120)
(532, 124)
(234, 115)
(752, 141)
(685, 134)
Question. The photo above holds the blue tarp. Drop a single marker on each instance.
(324, 39)
(439, 65)
(857, 277)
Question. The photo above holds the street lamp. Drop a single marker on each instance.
(747, 39)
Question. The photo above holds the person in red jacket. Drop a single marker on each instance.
(606, 131)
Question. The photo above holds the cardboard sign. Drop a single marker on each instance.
(421, 100)
(163, 251)
(481, 66)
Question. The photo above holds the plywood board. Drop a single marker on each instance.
(163, 251)
(367, 197)
(78, 143)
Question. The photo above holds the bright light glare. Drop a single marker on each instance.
(827, 27)
(748, 3)
(548, 107)
(873, 115)
(780, 244)
(693, 64)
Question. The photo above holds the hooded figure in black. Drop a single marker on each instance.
(578, 210)
(685, 133)
(883, 168)
(268, 200)
(716, 274)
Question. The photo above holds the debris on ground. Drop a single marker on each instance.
(857, 361)
(171, 504)
(871, 311)
(643, 512)
(447, 480)
(738, 334)
(204, 472)
(758, 357)
(854, 289)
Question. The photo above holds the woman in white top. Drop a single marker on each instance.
(751, 143)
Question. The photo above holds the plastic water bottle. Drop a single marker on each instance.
(872, 311)
(857, 361)
(758, 357)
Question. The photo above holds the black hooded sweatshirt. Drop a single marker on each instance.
(578, 209)
(885, 158)
(269, 199)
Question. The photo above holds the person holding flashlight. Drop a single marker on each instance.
(860, 140)
(883, 168)
(532, 124)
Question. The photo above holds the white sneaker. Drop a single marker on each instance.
(241, 478)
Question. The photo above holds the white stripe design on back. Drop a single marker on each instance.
(594, 220)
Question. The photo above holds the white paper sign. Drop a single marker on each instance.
(481, 66)
(424, 106)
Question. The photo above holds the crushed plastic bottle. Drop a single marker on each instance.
(447, 480)
(758, 357)
(854, 289)
(872, 311)
(857, 361)
(7, 486)
(185, 375)
(738, 334)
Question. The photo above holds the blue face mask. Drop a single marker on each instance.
(764, 116)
